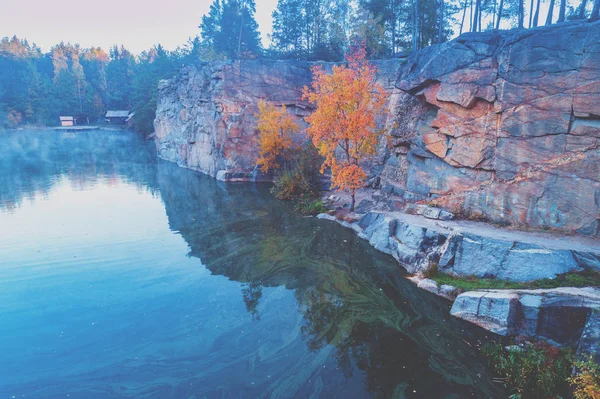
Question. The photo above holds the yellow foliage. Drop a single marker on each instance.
(344, 126)
(275, 128)
(586, 382)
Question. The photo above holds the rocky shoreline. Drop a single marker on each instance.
(562, 316)
(500, 128)
(464, 248)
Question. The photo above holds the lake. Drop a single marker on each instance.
(124, 276)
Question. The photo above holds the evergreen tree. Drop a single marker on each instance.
(230, 28)
(153, 65)
(288, 29)
(95, 62)
(312, 29)
(119, 74)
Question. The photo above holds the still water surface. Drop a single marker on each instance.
(125, 276)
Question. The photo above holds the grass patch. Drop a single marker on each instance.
(310, 207)
(587, 278)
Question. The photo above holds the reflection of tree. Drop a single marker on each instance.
(252, 292)
(351, 296)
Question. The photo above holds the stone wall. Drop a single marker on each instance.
(205, 116)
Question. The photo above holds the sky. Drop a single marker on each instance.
(137, 24)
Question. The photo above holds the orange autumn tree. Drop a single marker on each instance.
(275, 127)
(344, 125)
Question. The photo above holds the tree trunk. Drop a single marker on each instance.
(582, 9)
(521, 14)
(415, 25)
(531, 14)
(441, 22)
(471, 17)
(393, 13)
(595, 11)
(239, 52)
(550, 12)
(479, 14)
(499, 14)
(462, 21)
(353, 201)
(561, 12)
(476, 27)
(537, 14)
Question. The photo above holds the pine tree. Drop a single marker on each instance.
(230, 28)
(120, 73)
(288, 28)
(595, 11)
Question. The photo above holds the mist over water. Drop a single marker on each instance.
(125, 276)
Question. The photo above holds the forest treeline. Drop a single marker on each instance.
(37, 87)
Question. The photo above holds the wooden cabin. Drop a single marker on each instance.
(74, 120)
(118, 117)
(67, 121)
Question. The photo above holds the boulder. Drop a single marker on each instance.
(564, 316)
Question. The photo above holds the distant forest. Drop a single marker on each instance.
(37, 87)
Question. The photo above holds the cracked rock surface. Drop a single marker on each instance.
(513, 130)
(502, 126)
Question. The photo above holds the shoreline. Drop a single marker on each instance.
(533, 313)
(65, 128)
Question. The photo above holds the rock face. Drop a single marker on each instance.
(205, 116)
(507, 128)
(501, 126)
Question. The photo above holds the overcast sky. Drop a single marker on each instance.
(137, 24)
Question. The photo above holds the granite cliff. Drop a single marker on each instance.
(205, 116)
(499, 126)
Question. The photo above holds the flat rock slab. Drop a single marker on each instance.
(494, 311)
(563, 315)
(476, 249)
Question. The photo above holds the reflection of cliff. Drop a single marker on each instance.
(351, 296)
(32, 161)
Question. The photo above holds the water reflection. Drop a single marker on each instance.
(351, 297)
(32, 162)
(346, 323)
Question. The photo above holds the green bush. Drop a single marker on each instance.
(310, 207)
(535, 371)
(300, 179)
(291, 185)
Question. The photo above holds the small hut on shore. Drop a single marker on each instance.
(118, 117)
(74, 120)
